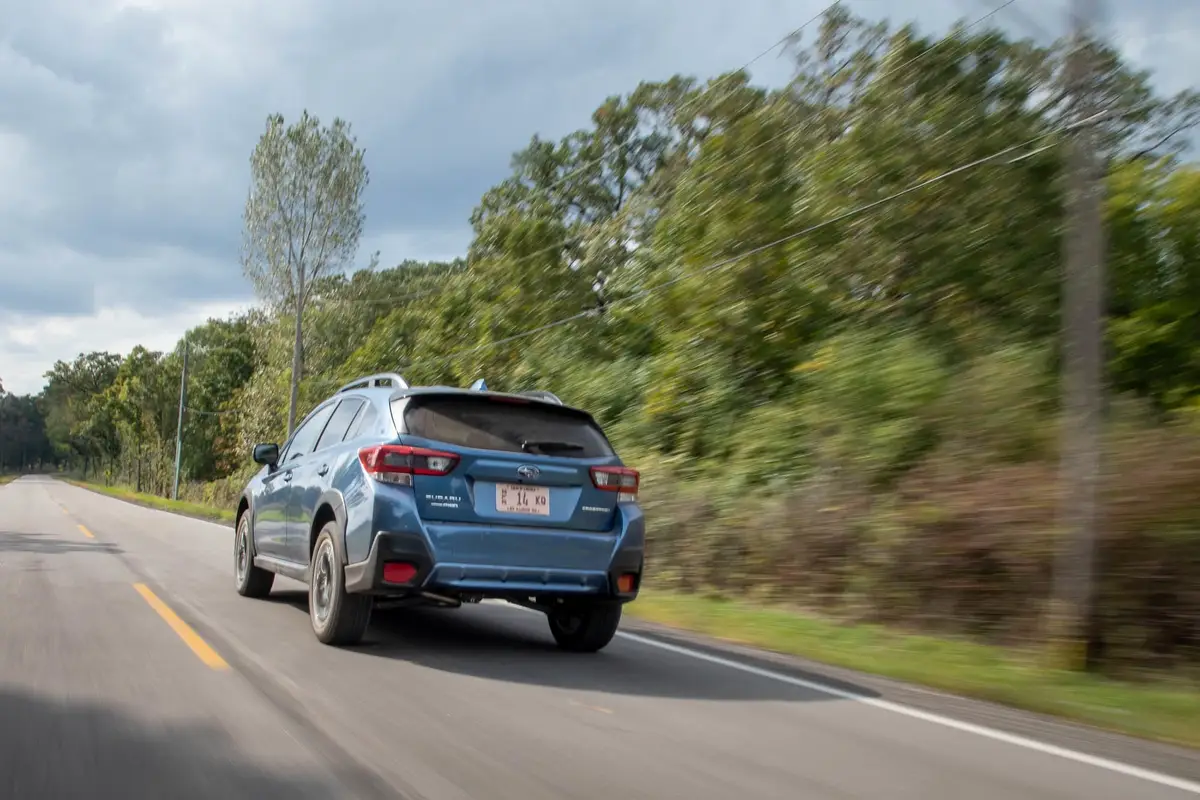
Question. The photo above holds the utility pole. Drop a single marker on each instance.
(179, 424)
(1083, 356)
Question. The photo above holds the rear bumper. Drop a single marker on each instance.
(366, 577)
(494, 580)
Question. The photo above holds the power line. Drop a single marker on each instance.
(606, 152)
(704, 93)
(1029, 23)
(886, 73)
(745, 254)
(564, 243)
(854, 212)
(958, 45)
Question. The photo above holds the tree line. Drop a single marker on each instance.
(842, 393)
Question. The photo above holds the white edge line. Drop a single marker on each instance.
(937, 719)
(1128, 770)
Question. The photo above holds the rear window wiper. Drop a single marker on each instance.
(550, 446)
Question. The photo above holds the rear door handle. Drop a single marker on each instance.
(324, 470)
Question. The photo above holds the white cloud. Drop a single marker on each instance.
(31, 345)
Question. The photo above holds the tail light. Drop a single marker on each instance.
(397, 463)
(622, 480)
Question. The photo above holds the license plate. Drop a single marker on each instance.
(512, 498)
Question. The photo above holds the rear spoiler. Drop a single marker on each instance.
(536, 394)
(539, 394)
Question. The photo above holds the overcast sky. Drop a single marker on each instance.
(126, 125)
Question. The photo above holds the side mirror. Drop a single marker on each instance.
(266, 454)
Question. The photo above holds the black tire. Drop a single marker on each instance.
(337, 618)
(585, 628)
(251, 581)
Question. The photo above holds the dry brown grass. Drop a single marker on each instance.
(954, 550)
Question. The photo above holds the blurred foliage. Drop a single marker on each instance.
(861, 419)
(24, 440)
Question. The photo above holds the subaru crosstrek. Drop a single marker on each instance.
(388, 495)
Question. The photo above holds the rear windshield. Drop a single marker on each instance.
(486, 424)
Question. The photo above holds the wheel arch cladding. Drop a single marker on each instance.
(330, 509)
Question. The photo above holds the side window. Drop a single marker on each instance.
(353, 426)
(339, 423)
(308, 432)
(365, 423)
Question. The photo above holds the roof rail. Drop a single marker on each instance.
(370, 381)
(541, 394)
(479, 386)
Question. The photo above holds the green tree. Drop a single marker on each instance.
(221, 360)
(23, 442)
(73, 425)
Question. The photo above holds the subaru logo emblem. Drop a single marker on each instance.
(528, 471)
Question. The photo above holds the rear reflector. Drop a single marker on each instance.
(622, 480)
(627, 583)
(398, 572)
(397, 463)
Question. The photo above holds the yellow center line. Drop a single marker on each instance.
(192, 639)
(86, 532)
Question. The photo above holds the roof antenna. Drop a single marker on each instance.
(479, 386)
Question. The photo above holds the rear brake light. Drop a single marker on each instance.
(622, 480)
(396, 463)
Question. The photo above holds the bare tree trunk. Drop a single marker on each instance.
(297, 360)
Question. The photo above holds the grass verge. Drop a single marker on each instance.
(8, 479)
(1161, 711)
(196, 510)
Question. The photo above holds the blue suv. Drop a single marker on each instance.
(389, 495)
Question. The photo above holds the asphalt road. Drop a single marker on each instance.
(130, 668)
